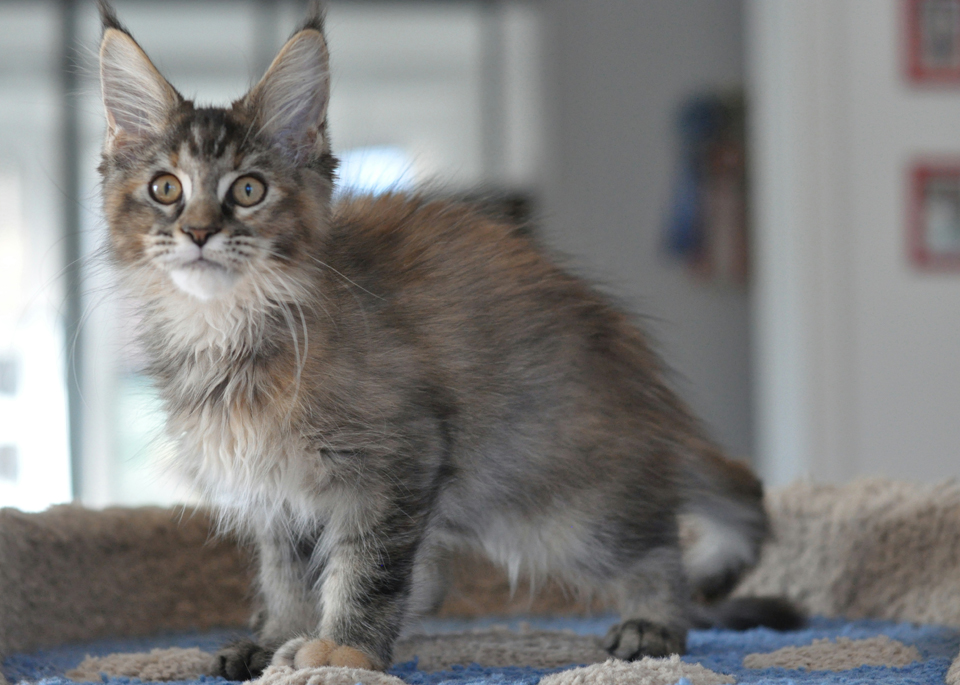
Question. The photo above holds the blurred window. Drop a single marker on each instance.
(375, 170)
(34, 455)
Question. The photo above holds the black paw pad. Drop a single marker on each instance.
(242, 660)
(636, 639)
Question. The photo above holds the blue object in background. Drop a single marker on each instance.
(708, 126)
(699, 125)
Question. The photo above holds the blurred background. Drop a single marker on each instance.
(774, 187)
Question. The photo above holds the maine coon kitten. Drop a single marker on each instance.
(363, 387)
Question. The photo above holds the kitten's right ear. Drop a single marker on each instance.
(137, 99)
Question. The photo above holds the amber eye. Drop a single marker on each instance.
(166, 189)
(248, 191)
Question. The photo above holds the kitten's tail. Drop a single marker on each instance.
(723, 522)
(742, 613)
(723, 525)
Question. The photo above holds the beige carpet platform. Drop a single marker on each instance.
(872, 549)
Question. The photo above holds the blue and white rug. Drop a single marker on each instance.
(829, 651)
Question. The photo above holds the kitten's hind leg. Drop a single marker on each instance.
(431, 580)
(651, 597)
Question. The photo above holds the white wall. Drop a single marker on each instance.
(858, 353)
(616, 73)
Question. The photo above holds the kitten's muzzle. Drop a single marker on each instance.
(200, 234)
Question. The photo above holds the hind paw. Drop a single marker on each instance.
(636, 638)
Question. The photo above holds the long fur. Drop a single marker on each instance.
(362, 388)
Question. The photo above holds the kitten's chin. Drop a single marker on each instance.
(204, 282)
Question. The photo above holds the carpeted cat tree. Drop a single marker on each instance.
(106, 596)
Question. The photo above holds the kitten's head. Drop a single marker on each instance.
(201, 200)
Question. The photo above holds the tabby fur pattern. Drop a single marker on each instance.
(364, 387)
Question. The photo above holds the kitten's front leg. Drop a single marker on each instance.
(365, 588)
(287, 572)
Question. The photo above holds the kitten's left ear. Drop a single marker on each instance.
(137, 99)
(290, 101)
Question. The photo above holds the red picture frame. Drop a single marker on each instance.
(932, 41)
(934, 224)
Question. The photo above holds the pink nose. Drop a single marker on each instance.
(200, 235)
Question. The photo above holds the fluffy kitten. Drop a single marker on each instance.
(362, 387)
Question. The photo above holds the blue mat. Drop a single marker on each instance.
(719, 650)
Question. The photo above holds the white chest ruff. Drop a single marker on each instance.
(247, 465)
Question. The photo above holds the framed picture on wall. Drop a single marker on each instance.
(934, 227)
(932, 41)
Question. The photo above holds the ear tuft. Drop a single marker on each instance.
(137, 99)
(316, 15)
(290, 101)
(108, 17)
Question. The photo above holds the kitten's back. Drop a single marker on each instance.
(514, 334)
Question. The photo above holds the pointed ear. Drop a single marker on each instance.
(137, 99)
(290, 101)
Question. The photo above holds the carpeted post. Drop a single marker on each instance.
(873, 548)
(71, 574)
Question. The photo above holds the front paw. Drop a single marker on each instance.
(637, 638)
(242, 660)
(301, 652)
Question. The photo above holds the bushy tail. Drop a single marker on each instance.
(742, 613)
(723, 522)
(723, 525)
